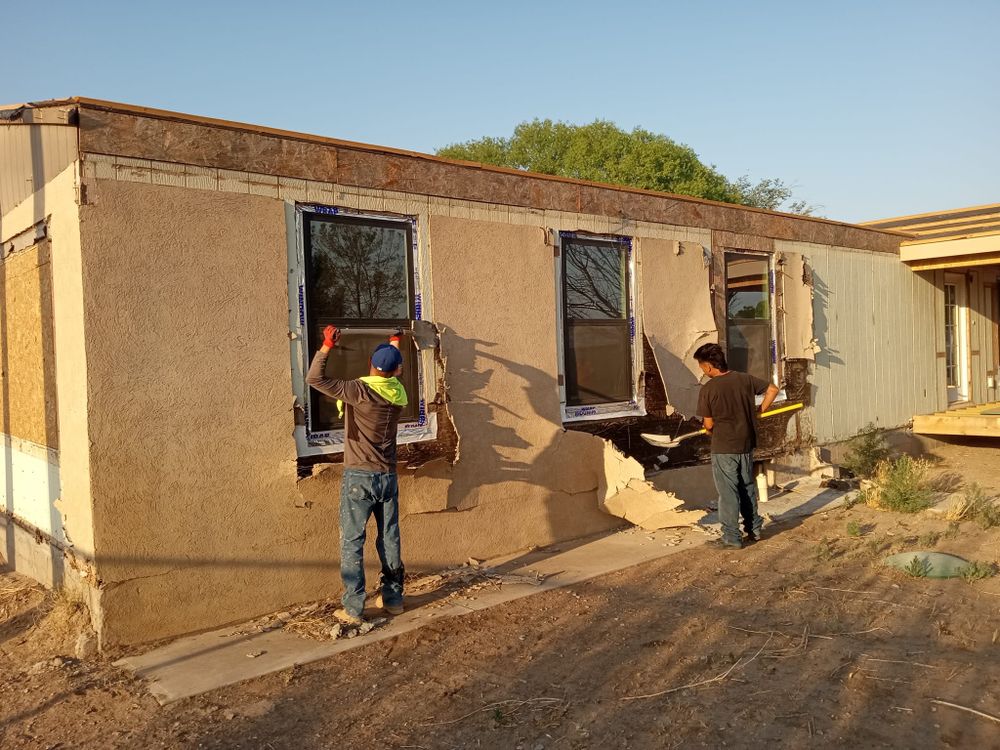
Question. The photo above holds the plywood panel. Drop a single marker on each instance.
(27, 375)
(118, 130)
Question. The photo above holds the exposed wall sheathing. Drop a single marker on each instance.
(144, 134)
(28, 375)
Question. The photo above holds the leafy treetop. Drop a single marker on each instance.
(603, 152)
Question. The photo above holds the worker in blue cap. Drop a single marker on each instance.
(370, 406)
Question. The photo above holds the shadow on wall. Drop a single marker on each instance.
(826, 356)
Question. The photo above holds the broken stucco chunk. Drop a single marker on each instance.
(797, 304)
(624, 492)
(643, 505)
(677, 315)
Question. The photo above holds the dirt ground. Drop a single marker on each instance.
(800, 640)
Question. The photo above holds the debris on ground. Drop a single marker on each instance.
(463, 581)
(315, 620)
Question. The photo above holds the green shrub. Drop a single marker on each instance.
(865, 451)
(901, 485)
(918, 567)
(977, 570)
(853, 528)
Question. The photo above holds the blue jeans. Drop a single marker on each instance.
(733, 474)
(362, 494)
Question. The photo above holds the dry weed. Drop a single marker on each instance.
(902, 485)
(976, 505)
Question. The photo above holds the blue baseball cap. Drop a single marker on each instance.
(386, 358)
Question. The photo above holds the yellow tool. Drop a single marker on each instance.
(661, 441)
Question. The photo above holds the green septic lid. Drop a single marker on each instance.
(936, 564)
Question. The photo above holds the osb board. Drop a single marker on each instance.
(189, 143)
(28, 377)
(742, 241)
(240, 147)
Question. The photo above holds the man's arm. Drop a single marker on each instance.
(704, 410)
(769, 395)
(316, 377)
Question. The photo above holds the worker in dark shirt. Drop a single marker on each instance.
(726, 405)
(371, 406)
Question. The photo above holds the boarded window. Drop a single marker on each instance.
(597, 338)
(749, 315)
(359, 278)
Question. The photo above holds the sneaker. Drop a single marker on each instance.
(392, 609)
(754, 536)
(342, 615)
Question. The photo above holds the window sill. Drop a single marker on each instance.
(320, 443)
(782, 396)
(571, 414)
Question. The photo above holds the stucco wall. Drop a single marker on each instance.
(192, 459)
(199, 519)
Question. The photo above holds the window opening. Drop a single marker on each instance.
(358, 277)
(750, 327)
(598, 331)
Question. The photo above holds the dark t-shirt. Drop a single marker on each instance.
(729, 400)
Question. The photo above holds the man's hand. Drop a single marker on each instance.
(396, 337)
(331, 335)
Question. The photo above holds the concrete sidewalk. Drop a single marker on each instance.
(196, 664)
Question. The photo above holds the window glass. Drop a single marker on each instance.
(359, 269)
(950, 334)
(595, 276)
(597, 343)
(358, 278)
(350, 359)
(749, 332)
(598, 367)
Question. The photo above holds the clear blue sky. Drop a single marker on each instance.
(870, 109)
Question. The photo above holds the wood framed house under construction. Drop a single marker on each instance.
(165, 277)
(960, 251)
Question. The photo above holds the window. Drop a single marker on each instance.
(358, 277)
(598, 329)
(750, 338)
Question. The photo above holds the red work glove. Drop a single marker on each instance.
(331, 335)
(396, 337)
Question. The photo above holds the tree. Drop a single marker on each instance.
(603, 152)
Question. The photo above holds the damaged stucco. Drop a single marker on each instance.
(200, 517)
(796, 306)
(677, 315)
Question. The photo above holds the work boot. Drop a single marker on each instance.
(754, 536)
(727, 544)
(342, 615)
(392, 609)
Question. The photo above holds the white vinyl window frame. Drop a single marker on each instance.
(314, 443)
(635, 406)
